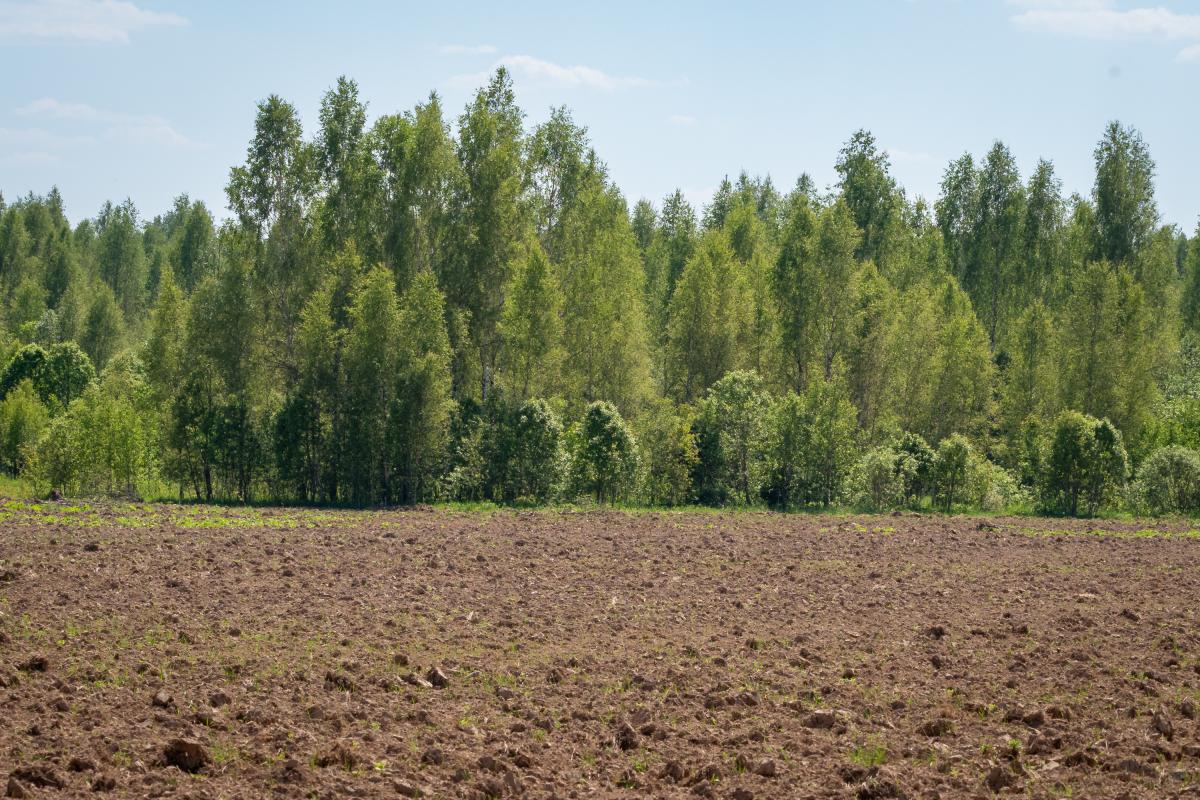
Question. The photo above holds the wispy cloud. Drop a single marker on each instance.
(35, 158)
(467, 49)
(78, 20)
(41, 138)
(1103, 19)
(531, 70)
(112, 125)
(682, 120)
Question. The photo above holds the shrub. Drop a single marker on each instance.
(915, 466)
(669, 454)
(1084, 467)
(990, 487)
(732, 423)
(535, 456)
(809, 446)
(22, 419)
(950, 470)
(604, 453)
(877, 481)
(1169, 482)
(100, 445)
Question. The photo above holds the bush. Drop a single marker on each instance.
(604, 454)
(915, 466)
(59, 374)
(1169, 482)
(950, 470)
(669, 455)
(810, 443)
(101, 445)
(1084, 467)
(878, 480)
(535, 455)
(732, 423)
(990, 487)
(22, 419)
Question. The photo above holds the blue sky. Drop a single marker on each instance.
(153, 98)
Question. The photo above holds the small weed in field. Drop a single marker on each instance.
(872, 755)
(223, 753)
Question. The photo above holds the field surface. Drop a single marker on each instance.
(172, 651)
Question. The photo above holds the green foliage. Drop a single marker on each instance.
(809, 447)
(1168, 482)
(103, 444)
(58, 375)
(669, 454)
(951, 465)
(732, 422)
(536, 458)
(604, 454)
(877, 480)
(376, 321)
(1085, 466)
(531, 327)
(22, 419)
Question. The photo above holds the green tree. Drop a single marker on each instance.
(488, 208)
(1126, 213)
(104, 328)
(710, 310)
(669, 454)
(735, 413)
(537, 459)
(1086, 464)
(605, 453)
(869, 192)
(950, 467)
(1169, 482)
(22, 419)
(531, 327)
(371, 364)
(420, 417)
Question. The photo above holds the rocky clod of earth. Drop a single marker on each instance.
(186, 754)
(40, 775)
(627, 737)
(820, 719)
(603, 655)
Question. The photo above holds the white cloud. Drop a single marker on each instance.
(1191, 53)
(112, 125)
(78, 20)
(1102, 19)
(466, 49)
(36, 158)
(683, 120)
(533, 70)
(41, 138)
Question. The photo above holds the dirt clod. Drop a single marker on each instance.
(186, 754)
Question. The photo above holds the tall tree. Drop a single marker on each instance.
(869, 191)
(1126, 212)
(489, 215)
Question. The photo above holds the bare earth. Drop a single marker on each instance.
(189, 652)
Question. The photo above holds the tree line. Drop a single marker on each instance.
(429, 308)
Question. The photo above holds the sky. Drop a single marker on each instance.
(149, 99)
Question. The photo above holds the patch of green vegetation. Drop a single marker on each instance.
(868, 755)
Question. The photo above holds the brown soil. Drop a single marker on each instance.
(207, 653)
